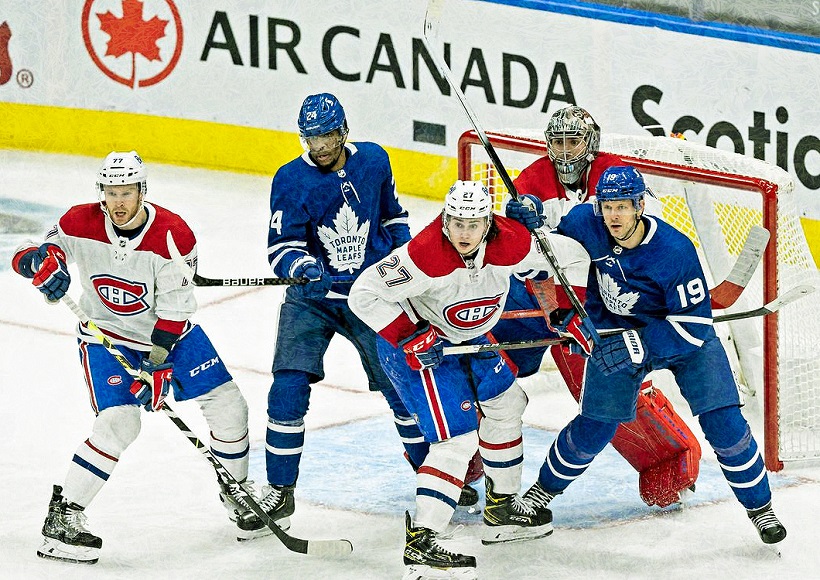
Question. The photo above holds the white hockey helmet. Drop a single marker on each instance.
(467, 200)
(120, 168)
(572, 122)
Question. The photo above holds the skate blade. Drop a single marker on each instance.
(507, 534)
(263, 532)
(56, 550)
(423, 572)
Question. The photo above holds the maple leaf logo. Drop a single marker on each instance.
(615, 301)
(345, 243)
(132, 34)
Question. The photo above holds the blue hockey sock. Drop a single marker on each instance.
(573, 451)
(738, 455)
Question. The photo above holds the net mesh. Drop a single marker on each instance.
(715, 197)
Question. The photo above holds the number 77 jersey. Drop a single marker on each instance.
(658, 286)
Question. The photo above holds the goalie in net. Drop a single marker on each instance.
(658, 443)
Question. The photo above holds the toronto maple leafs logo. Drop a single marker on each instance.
(614, 300)
(346, 241)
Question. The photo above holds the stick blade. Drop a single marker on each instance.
(329, 548)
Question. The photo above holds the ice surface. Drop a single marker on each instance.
(159, 515)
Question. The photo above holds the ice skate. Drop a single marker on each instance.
(768, 526)
(509, 518)
(278, 503)
(425, 559)
(248, 523)
(65, 536)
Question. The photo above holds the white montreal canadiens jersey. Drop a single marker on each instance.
(127, 284)
(428, 280)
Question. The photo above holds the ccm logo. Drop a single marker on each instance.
(204, 366)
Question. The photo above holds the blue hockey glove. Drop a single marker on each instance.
(153, 385)
(51, 277)
(528, 210)
(319, 281)
(617, 352)
(582, 331)
(423, 349)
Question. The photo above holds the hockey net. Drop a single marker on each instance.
(715, 197)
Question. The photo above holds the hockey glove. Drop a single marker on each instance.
(319, 281)
(570, 324)
(617, 352)
(423, 349)
(153, 385)
(51, 277)
(527, 210)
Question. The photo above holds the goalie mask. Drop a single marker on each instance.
(467, 200)
(573, 138)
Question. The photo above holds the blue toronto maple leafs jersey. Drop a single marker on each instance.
(346, 219)
(657, 286)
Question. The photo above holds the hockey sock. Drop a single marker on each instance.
(573, 451)
(738, 455)
(409, 432)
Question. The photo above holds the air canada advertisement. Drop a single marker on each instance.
(250, 63)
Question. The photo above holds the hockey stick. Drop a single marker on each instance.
(794, 294)
(724, 294)
(431, 21)
(313, 547)
(198, 280)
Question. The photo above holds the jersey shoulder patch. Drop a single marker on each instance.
(85, 221)
(432, 252)
(511, 245)
(167, 221)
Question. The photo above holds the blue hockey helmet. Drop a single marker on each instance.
(620, 183)
(320, 114)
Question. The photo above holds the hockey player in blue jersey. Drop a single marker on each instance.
(647, 279)
(334, 212)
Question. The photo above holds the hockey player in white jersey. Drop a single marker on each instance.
(136, 295)
(448, 286)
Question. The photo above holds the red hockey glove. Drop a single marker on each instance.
(423, 348)
(51, 277)
(153, 384)
(583, 332)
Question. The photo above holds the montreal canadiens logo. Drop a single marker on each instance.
(121, 297)
(472, 313)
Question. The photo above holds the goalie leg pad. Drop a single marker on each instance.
(661, 447)
(658, 443)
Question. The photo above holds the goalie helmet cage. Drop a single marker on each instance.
(715, 197)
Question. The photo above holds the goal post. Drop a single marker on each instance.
(715, 197)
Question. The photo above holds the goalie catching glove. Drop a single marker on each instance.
(527, 210)
(423, 349)
(615, 353)
(153, 385)
(319, 281)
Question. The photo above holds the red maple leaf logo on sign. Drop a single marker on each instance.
(132, 34)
